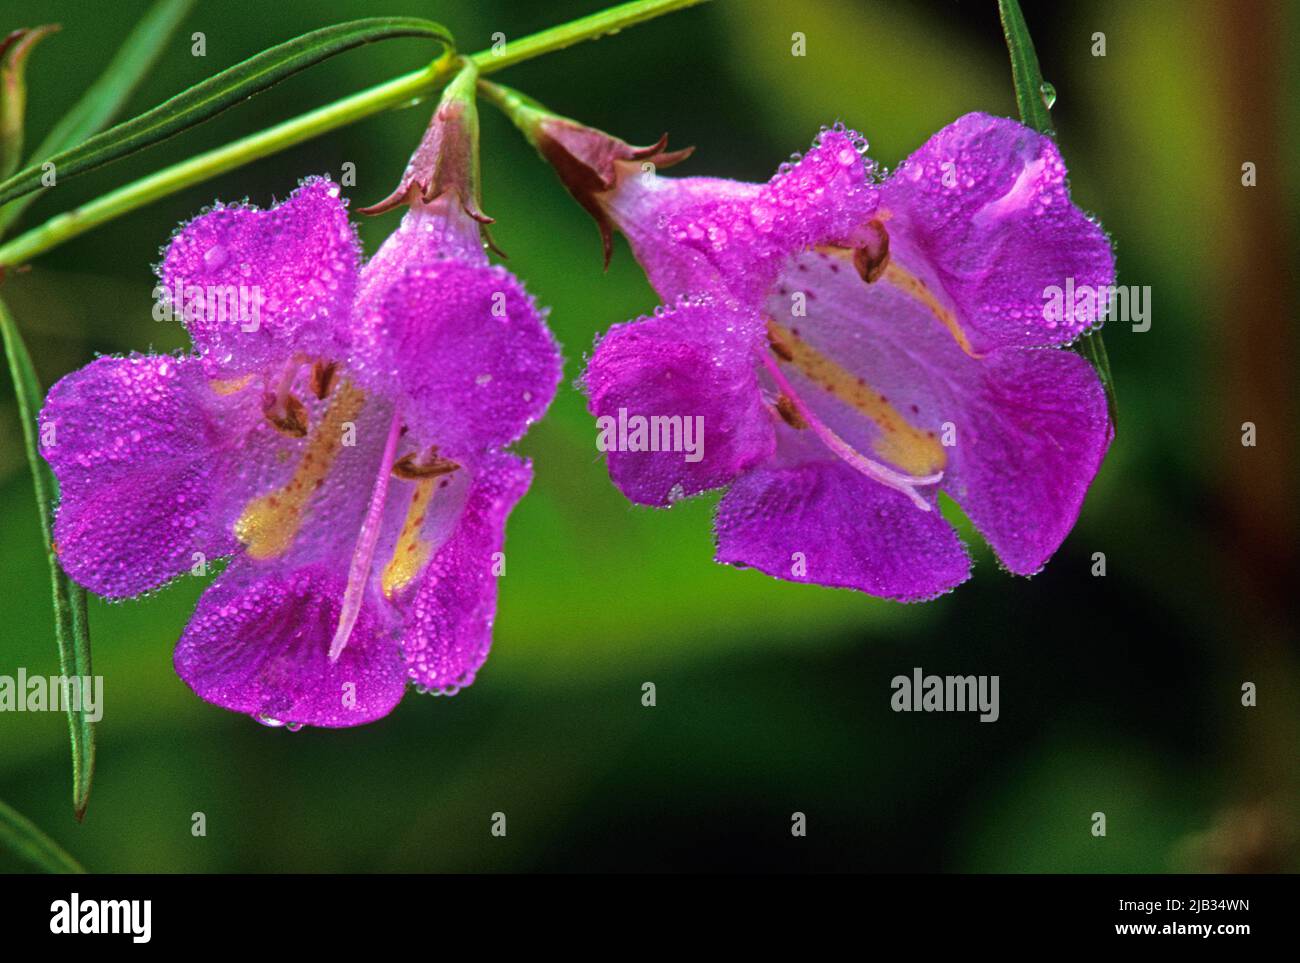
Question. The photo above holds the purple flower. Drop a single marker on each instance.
(339, 430)
(855, 347)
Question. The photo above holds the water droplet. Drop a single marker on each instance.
(1048, 93)
(214, 257)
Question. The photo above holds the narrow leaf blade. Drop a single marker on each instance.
(106, 96)
(21, 836)
(14, 50)
(1025, 72)
(70, 627)
(214, 95)
(1034, 112)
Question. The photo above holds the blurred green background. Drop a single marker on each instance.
(1118, 694)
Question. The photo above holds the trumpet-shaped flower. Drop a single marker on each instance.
(854, 347)
(339, 430)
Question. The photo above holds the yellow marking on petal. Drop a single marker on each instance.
(229, 386)
(269, 523)
(910, 284)
(901, 443)
(412, 551)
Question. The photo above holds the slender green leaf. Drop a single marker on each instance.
(1093, 348)
(404, 91)
(14, 50)
(210, 97)
(1025, 71)
(1034, 97)
(107, 95)
(20, 835)
(70, 628)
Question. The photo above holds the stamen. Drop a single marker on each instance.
(287, 378)
(412, 551)
(364, 554)
(409, 468)
(230, 386)
(871, 257)
(322, 378)
(872, 469)
(282, 408)
(789, 413)
(777, 344)
(289, 420)
(269, 523)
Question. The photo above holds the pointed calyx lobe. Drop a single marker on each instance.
(446, 161)
(590, 163)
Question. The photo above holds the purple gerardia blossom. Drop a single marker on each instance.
(340, 430)
(854, 348)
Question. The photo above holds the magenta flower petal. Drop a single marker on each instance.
(692, 368)
(1019, 434)
(448, 630)
(254, 287)
(700, 235)
(819, 521)
(132, 442)
(1030, 444)
(427, 235)
(643, 208)
(982, 214)
(259, 640)
(467, 348)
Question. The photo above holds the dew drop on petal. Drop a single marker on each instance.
(214, 257)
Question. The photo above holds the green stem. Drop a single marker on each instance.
(407, 89)
(591, 27)
(517, 106)
(22, 836)
(1034, 112)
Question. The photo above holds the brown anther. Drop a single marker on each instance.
(789, 413)
(322, 378)
(872, 258)
(778, 347)
(408, 468)
(293, 421)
